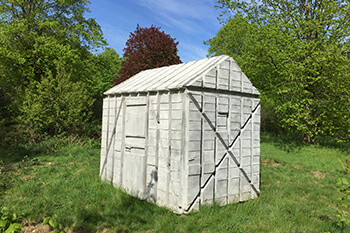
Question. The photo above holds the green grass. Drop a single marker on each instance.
(298, 193)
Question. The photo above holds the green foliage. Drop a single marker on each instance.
(269, 120)
(9, 222)
(6, 99)
(56, 105)
(4, 179)
(8, 112)
(27, 163)
(37, 37)
(343, 216)
(36, 34)
(346, 167)
(106, 66)
(296, 54)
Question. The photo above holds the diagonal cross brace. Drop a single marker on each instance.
(112, 135)
(228, 148)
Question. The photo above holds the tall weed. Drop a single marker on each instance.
(343, 216)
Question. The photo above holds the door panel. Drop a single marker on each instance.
(134, 168)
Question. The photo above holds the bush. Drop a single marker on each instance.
(55, 106)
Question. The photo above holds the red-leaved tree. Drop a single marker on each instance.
(147, 48)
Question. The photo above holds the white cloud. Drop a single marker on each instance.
(197, 9)
(191, 52)
(185, 25)
(183, 13)
(116, 37)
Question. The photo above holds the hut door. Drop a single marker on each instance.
(134, 166)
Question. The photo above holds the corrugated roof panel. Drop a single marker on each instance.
(157, 81)
(211, 64)
(182, 74)
(141, 80)
(144, 78)
(195, 71)
(168, 77)
(123, 85)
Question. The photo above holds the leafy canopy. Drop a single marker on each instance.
(147, 48)
(106, 66)
(297, 54)
(36, 34)
(45, 60)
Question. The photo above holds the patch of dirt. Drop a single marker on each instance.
(273, 163)
(80, 170)
(277, 182)
(111, 231)
(33, 227)
(79, 230)
(75, 163)
(304, 198)
(297, 166)
(27, 177)
(7, 168)
(319, 175)
(48, 163)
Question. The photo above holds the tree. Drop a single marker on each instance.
(296, 53)
(107, 66)
(37, 36)
(147, 48)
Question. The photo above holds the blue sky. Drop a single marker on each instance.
(190, 22)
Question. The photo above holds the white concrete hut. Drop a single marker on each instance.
(184, 135)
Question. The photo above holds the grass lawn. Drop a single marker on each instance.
(61, 181)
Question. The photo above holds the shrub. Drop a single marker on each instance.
(55, 105)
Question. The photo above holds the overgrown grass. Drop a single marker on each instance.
(298, 193)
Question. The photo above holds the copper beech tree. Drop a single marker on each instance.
(147, 48)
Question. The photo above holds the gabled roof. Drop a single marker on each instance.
(193, 73)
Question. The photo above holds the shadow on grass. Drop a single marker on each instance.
(329, 142)
(286, 142)
(16, 152)
(129, 214)
(290, 142)
(13, 154)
